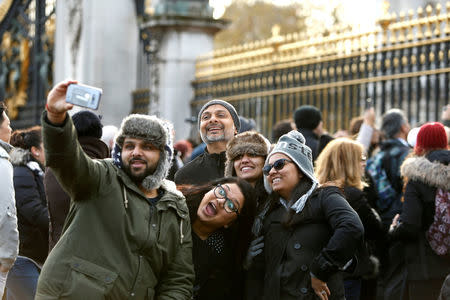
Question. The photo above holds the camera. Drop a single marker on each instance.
(84, 95)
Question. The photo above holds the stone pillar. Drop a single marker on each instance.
(96, 43)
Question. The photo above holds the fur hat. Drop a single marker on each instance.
(431, 136)
(228, 106)
(293, 145)
(154, 130)
(307, 116)
(249, 142)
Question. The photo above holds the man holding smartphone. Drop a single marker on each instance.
(127, 234)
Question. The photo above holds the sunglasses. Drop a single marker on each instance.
(277, 165)
(229, 205)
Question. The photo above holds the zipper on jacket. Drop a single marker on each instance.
(132, 293)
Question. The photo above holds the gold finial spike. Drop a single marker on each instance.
(438, 21)
(386, 18)
(447, 19)
(402, 16)
(428, 10)
(410, 14)
(276, 30)
(419, 24)
(428, 32)
(385, 7)
(420, 12)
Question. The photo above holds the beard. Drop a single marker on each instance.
(225, 136)
(138, 177)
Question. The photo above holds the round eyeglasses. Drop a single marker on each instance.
(230, 206)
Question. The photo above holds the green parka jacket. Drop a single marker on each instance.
(116, 244)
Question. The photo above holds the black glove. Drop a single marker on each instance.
(255, 248)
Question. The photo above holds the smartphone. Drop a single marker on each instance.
(368, 103)
(84, 95)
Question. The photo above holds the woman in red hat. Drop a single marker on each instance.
(424, 224)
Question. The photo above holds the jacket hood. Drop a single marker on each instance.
(19, 156)
(156, 131)
(5, 148)
(432, 170)
(94, 147)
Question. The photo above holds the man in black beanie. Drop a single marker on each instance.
(308, 120)
(218, 123)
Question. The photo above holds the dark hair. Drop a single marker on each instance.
(87, 124)
(240, 231)
(280, 128)
(2, 109)
(355, 125)
(27, 138)
(392, 122)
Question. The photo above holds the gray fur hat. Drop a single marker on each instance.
(293, 145)
(228, 106)
(156, 131)
(249, 142)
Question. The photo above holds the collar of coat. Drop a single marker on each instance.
(171, 198)
(434, 173)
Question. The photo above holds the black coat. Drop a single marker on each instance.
(425, 175)
(321, 239)
(204, 168)
(32, 213)
(57, 199)
(373, 231)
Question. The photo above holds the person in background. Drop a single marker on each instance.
(342, 162)
(423, 226)
(9, 245)
(310, 233)
(184, 147)
(108, 135)
(222, 214)
(365, 132)
(89, 131)
(246, 154)
(282, 127)
(218, 123)
(28, 160)
(308, 120)
(446, 115)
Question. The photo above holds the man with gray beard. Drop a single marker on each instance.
(218, 122)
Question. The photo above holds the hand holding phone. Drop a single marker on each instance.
(84, 95)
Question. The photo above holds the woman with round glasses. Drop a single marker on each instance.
(222, 214)
(342, 162)
(310, 233)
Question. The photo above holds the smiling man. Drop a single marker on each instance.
(127, 234)
(218, 122)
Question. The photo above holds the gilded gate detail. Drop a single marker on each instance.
(403, 62)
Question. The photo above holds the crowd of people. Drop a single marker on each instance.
(93, 212)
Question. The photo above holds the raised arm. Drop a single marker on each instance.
(77, 173)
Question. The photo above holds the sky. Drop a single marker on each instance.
(320, 10)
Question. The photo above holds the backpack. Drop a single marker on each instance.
(375, 167)
(438, 234)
